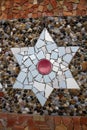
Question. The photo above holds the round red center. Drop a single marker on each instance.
(44, 66)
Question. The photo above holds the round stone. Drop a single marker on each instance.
(44, 66)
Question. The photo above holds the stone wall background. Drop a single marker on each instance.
(10, 9)
(26, 122)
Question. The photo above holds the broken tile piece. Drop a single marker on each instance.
(74, 49)
(40, 55)
(26, 81)
(18, 85)
(30, 77)
(39, 86)
(62, 84)
(55, 83)
(48, 90)
(30, 51)
(67, 58)
(55, 68)
(51, 47)
(40, 43)
(68, 74)
(71, 83)
(47, 36)
(28, 87)
(21, 77)
(38, 78)
(41, 99)
(34, 73)
(54, 55)
(47, 79)
(19, 58)
(52, 75)
(28, 62)
(15, 50)
(61, 51)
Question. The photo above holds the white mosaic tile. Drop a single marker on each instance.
(30, 77)
(19, 58)
(25, 70)
(51, 47)
(40, 55)
(32, 67)
(74, 49)
(28, 87)
(39, 86)
(34, 73)
(56, 64)
(18, 85)
(62, 66)
(30, 51)
(61, 51)
(44, 50)
(47, 36)
(26, 81)
(68, 49)
(24, 58)
(54, 55)
(68, 74)
(62, 84)
(55, 83)
(42, 93)
(22, 53)
(15, 50)
(52, 75)
(61, 77)
(34, 90)
(60, 72)
(33, 57)
(38, 78)
(48, 43)
(71, 83)
(55, 68)
(59, 60)
(48, 56)
(42, 35)
(48, 90)
(67, 58)
(35, 61)
(24, 49)
(21, 77)
(58, 77)
(52, 61)
(28, 62)
(40, 43)
(41, 98)
(47, 79)
(36, 50)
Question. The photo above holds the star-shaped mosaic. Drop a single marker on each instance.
(0, 83)
(45, 67)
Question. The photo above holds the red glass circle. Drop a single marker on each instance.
(44, 66)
